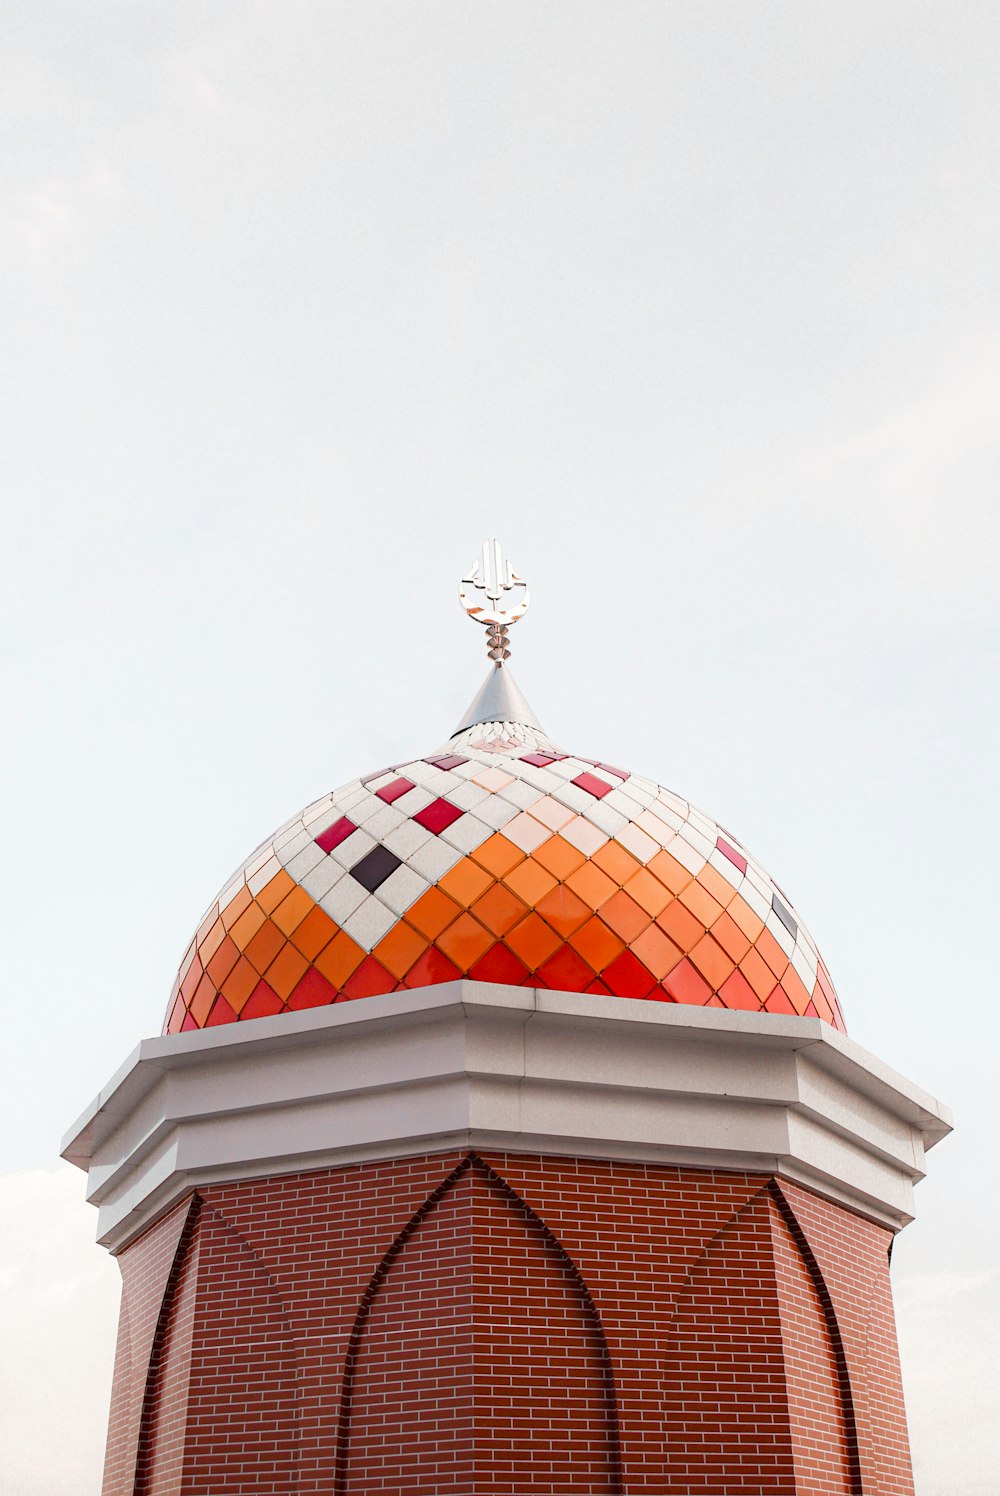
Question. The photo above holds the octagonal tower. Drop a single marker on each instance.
(504, 1136)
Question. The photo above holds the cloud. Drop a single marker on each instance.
(58, 1321)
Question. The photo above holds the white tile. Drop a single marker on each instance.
(683, 852)
(303, 862)
(624, 804)
(522, 794)
(781, 935)
(491, 779)
(639, 784)
(467, 833)
(322, 815)
(342, 899)
(263, 876)
(565, 768)
(722, 865)
(755, 900)
(655, 826)
(320, 879)
(369, 922)
(703, 844)
(402, 888)
(573, 796)
(805, 969)
(434, 858)
(258, 859)
(295, 833)
(406, 838)
(551, 813)
(364, 811)
(605, 817)
(413, 800)
(584, 835)
(674, 802)
(353, 848)
(542, 779)
(635, 840)
(468, 795)
(525, 832)
(384, 821)
(496, 812)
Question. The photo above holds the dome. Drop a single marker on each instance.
(502, 859)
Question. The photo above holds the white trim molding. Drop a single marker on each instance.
(472, 1064)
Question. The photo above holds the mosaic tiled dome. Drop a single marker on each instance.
(502, 859)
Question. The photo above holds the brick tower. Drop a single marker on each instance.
(504, 1137)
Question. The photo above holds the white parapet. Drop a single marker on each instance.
(472, 1064)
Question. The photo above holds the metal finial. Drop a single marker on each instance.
(490, 580)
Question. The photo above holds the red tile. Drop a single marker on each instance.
(779, 1002)
(736, 858)
(335, 834)
(541, 760)
(390, 792)
(368, 980)
(499, 965)
(594, 786)
(686, 986)
(188, 1024)
(176, 1016)
(736, 992)
(432, 967)
(221, 1013)
(627, 977)
(314, 991)
(565, 971)
(437, 816)
(598, 986)
(450, 761)
(263, 1001)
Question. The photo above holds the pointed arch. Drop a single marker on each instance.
(492, 1344)
(841, 1412)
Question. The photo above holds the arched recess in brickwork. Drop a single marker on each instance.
(477, 1358)
(222, 1415)
(724, 1409)
(149, 1268)
(820, 1404)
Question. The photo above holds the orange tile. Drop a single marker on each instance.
(559, 856)
(239, 984)
(649, 892)
(337, 960)
(591, 885)
(203, 999)
(701, 904)
(613, 859)
(596, 943)
(680, 924)
(768, 947)
(718, 887)
(272, 893)
(729, 935)
(242, 900)
(658, 954)
(498, 855)
(315, 931)
(465, 882)
(758, 973)
(798, 994)
(223, 961)
(624, 915)
(211, 942)
(464, 941)
(713, 963)
(740, 912)
(292, 911)
(669, 871)
(736, 992)
(533, 941)
(247, 925)
(432, 912)
(563, 910)
(265, 946)
(398, 950)
(286, 970)
(530, 881)
(499, 909)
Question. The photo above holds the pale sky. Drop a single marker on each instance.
(696, 307)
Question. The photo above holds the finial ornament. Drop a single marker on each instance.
(489, 581)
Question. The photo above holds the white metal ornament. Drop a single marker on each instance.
(489, 581)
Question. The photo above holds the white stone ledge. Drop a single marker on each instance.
(471, 1064)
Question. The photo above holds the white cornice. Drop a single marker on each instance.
(471, 1064)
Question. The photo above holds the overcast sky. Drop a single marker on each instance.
(696, 306)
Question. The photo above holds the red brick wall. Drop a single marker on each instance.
(518, 1323)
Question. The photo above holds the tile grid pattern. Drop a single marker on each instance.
(501, 862)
